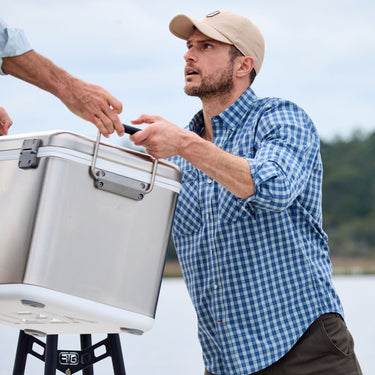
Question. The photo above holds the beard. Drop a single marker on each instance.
(218, 83)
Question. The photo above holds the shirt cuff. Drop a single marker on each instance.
(270, 189)
(17, 44)
(246, 203)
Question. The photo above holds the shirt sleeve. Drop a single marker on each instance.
(13, 42)
(287, 148)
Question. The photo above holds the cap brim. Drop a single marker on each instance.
(182, 26)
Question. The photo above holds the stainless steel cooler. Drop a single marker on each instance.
(83, 241)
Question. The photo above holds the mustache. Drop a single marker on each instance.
(192, 66)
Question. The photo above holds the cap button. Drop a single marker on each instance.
(213, 14)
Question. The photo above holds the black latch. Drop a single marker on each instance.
(28, 156)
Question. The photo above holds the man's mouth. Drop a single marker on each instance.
(190, 71)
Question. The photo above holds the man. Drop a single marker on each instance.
(88, 101)
(248, 223)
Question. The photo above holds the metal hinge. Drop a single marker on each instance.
(28, 156)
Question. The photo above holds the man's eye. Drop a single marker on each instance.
(207, 46)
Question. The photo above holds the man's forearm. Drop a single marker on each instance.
(39, 71)
(231, 171)
(162, 139)
(91, 102)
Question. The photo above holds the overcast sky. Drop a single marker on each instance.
(319, 54)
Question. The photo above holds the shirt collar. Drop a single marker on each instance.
(197, 123)
(231, 116)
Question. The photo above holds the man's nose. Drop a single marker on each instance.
(190, 55)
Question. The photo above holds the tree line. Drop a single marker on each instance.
(349, 195)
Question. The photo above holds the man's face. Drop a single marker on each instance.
(209, 69)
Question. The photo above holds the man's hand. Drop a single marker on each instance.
(91, 102)
(94, 104)
(161, 139)
(5, 121)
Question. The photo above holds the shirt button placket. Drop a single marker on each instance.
(209, 181)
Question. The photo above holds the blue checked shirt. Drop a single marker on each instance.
(257, 269)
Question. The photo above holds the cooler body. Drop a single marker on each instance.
(64, 239)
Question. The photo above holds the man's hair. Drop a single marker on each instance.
(234, 52)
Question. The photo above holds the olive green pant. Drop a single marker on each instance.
(326, 348)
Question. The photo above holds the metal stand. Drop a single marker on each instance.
(68, 361)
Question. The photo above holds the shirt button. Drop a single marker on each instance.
(209, 181)
(215, 286)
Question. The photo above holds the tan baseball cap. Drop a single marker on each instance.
(226, 27)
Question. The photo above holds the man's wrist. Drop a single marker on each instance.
(63, 86)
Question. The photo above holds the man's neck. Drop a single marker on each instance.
(212, 107)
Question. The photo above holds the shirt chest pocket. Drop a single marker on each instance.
(188, 217)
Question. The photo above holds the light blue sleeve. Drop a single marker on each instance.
(13, 42)
(286, 160)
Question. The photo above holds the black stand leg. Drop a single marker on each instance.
(68, 361)
(86, 342)
(51, 355)
(23, 349)
(116, 354)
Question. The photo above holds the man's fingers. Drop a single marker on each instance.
(111, 121)
(5, 121)
(140, 138)
(99, 124)
(115, 104)
(145, 119)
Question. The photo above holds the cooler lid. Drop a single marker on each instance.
(78, 148)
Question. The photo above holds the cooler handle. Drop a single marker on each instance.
(130, 130)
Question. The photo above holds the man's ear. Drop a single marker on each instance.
(245, 66)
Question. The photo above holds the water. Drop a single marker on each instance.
(171, 347)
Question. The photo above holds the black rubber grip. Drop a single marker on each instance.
(130, 129)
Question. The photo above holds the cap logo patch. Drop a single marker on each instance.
(213, 14)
